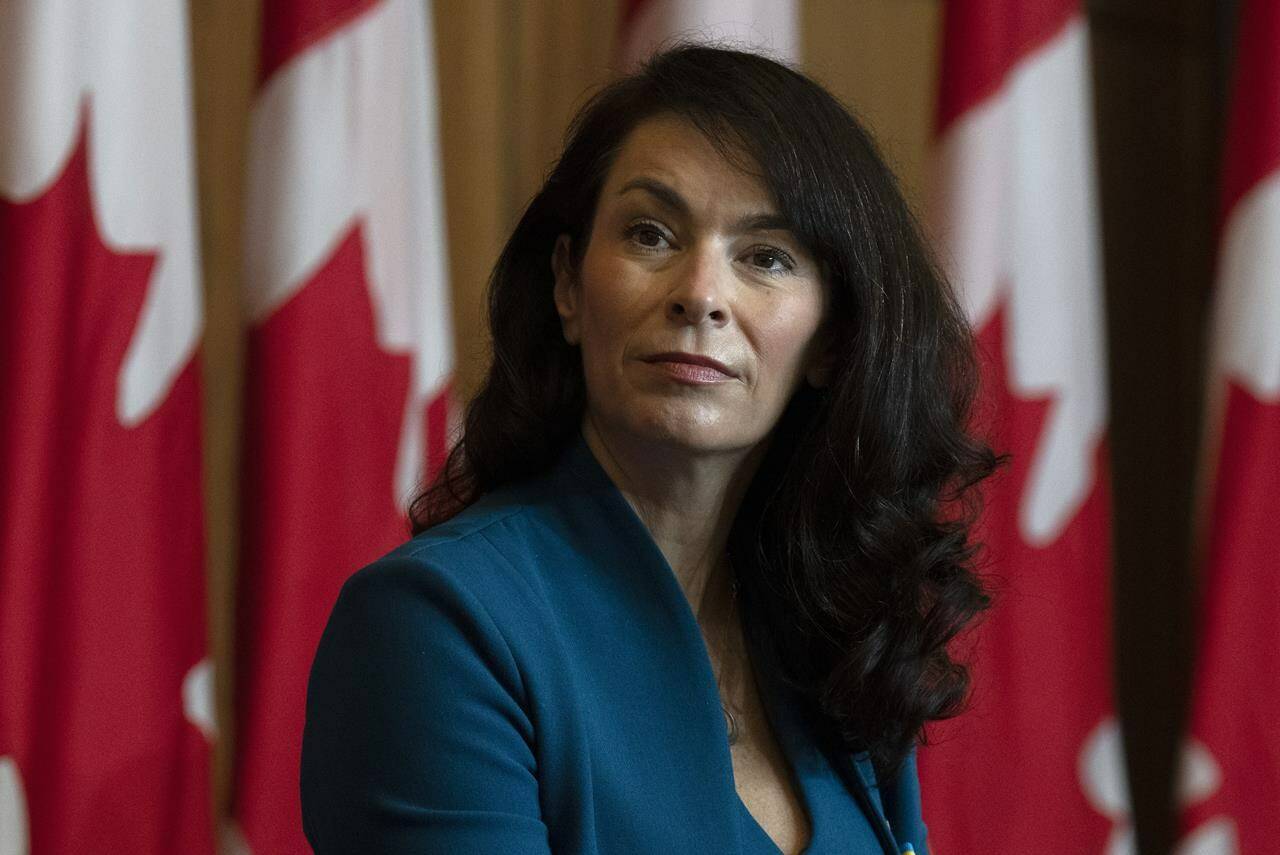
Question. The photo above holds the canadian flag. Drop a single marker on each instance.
(767, 26)
(105, 692)
(1037, 760)
(1230, 787)
(349, 355)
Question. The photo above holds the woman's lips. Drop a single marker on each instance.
(691, 368)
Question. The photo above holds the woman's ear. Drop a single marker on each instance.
(566, 290)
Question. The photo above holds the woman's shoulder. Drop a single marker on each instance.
(469, 537)
(418, 697)
(449, 589)
(465, 596)
(482, 556)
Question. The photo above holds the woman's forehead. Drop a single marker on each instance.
(669, 153)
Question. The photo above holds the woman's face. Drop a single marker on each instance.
(696, 308)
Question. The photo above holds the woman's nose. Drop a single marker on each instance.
(698, 294)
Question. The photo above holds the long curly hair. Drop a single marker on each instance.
(852, 547)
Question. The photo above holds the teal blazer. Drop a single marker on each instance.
(529, 677)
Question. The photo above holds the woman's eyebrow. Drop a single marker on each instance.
(670, 198)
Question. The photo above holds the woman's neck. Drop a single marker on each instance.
(687, 501)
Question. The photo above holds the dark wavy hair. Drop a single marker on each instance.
(851, 548)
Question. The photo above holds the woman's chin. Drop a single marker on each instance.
(692, 435)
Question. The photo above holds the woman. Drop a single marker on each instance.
(688, 580)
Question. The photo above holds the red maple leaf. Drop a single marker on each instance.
(1041, 658)
(101, 545)
(1236, 678)
(323, 415)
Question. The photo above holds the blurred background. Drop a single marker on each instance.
(502, 80)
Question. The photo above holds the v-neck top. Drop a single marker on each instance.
(529, 677)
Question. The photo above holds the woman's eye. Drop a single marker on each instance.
(771, 260)
(647, 236)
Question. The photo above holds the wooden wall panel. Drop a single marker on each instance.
(224, 61)
(560, 51)
(880, 57)
(472, 55)
(1158, 72)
